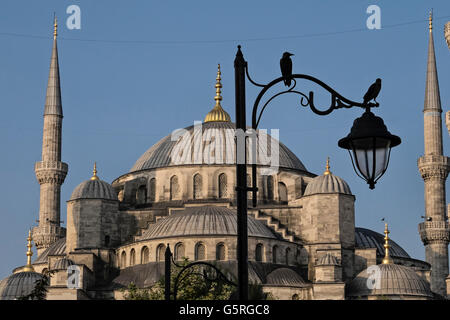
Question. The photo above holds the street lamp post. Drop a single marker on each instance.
(369, 144)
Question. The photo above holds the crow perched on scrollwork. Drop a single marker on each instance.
(373, 91)
(286, 68)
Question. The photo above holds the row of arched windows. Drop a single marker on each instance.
(197, 186)
(179, 253)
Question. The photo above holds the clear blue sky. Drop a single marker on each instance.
(120, 98)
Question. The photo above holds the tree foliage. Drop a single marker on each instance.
(39, 291)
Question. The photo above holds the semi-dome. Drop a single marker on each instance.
(215, 140)
(394, 280)
(18, 285)
(284, 277)
(94, 189)
(56, 248)
(62, 264)
(201, 221)
(328, 260)
(327, 183)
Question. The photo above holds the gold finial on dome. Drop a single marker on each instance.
(217, 113)
(29, 267)
(387, 259)
(327, 167)
(430, 21)
(55, 25)
(94, 175)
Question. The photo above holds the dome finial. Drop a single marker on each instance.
(29, 267)
(55, 25)
(94, 172)
(327, 167)
(387, 259)
(217, 113)
(430, 21)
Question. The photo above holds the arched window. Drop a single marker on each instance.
(197, 186)
(160, 250)
(259, 252)
(123, 260)
(107, 239)
(145, 255)
(174, 188)
(295, 297)
(288, 255)
(282, 192)
(275, 254)
(132, 257)
(179, 251)
(152, 193)
(200, 251)
(220, 251)
(223, 185)
(141, 195)
(270, 187)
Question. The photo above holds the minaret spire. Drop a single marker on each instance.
(29, 266)
(327, 167)
(387, 259)
(217, 113)
(51, 172)
(434, 168)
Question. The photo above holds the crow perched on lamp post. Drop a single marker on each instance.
(373, 91)
(286, 68)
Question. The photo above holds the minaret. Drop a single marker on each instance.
(434, 168)
(51, 172)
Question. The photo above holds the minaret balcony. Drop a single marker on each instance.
(53, 172)
(434, 166)
(434, 231)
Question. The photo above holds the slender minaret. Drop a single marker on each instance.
(434, 168)
(51, 172)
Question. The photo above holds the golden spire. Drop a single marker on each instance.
(29, 267)
(387, 259)
(94, 172)
(55, 25)
(327, 167)
(430, 21)
(217, 113)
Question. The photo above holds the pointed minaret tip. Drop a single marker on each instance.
(430, 21)
(55, 26)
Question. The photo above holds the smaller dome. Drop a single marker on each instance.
(328, 260)
(62, 264)
(18, 285)
(94, 189)
(328, 183)
(394, 280)
(284, 277)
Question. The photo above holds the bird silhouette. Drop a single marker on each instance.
(286, 68)
(373, 91)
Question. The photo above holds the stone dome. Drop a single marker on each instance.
(284, 277)
(365, 238)
(56, 248)
(62, 264)
(94, 189)
(214, 136)
(201, 221)
(395, 280)
(328, 260)
(327, 183)
(18, 284)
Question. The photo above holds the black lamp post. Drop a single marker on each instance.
(369, 142)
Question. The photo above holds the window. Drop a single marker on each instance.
(220, 251)
(288, 255)
(197, 186)
(295, 297)
(270, 187)
(179, 252)
(200, 251)
(282, 192)
(145, 255)
(275, 254)
(106, 241)
(132, 257)
(123, 260)
(141, 195)
(174, 188)
(222, 185)
(160, 251)
(152, 193)
(259, 252)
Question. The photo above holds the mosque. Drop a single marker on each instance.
(302, 240)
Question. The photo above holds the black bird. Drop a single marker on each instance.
(286, 68)
(373, 91)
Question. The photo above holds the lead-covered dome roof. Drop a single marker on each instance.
(94, 189)
(365, 238)
(18, 285)
(216, 139)
(327, 183)
(394, 280)
(201, 221)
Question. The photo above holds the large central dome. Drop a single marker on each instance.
(212, 144)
